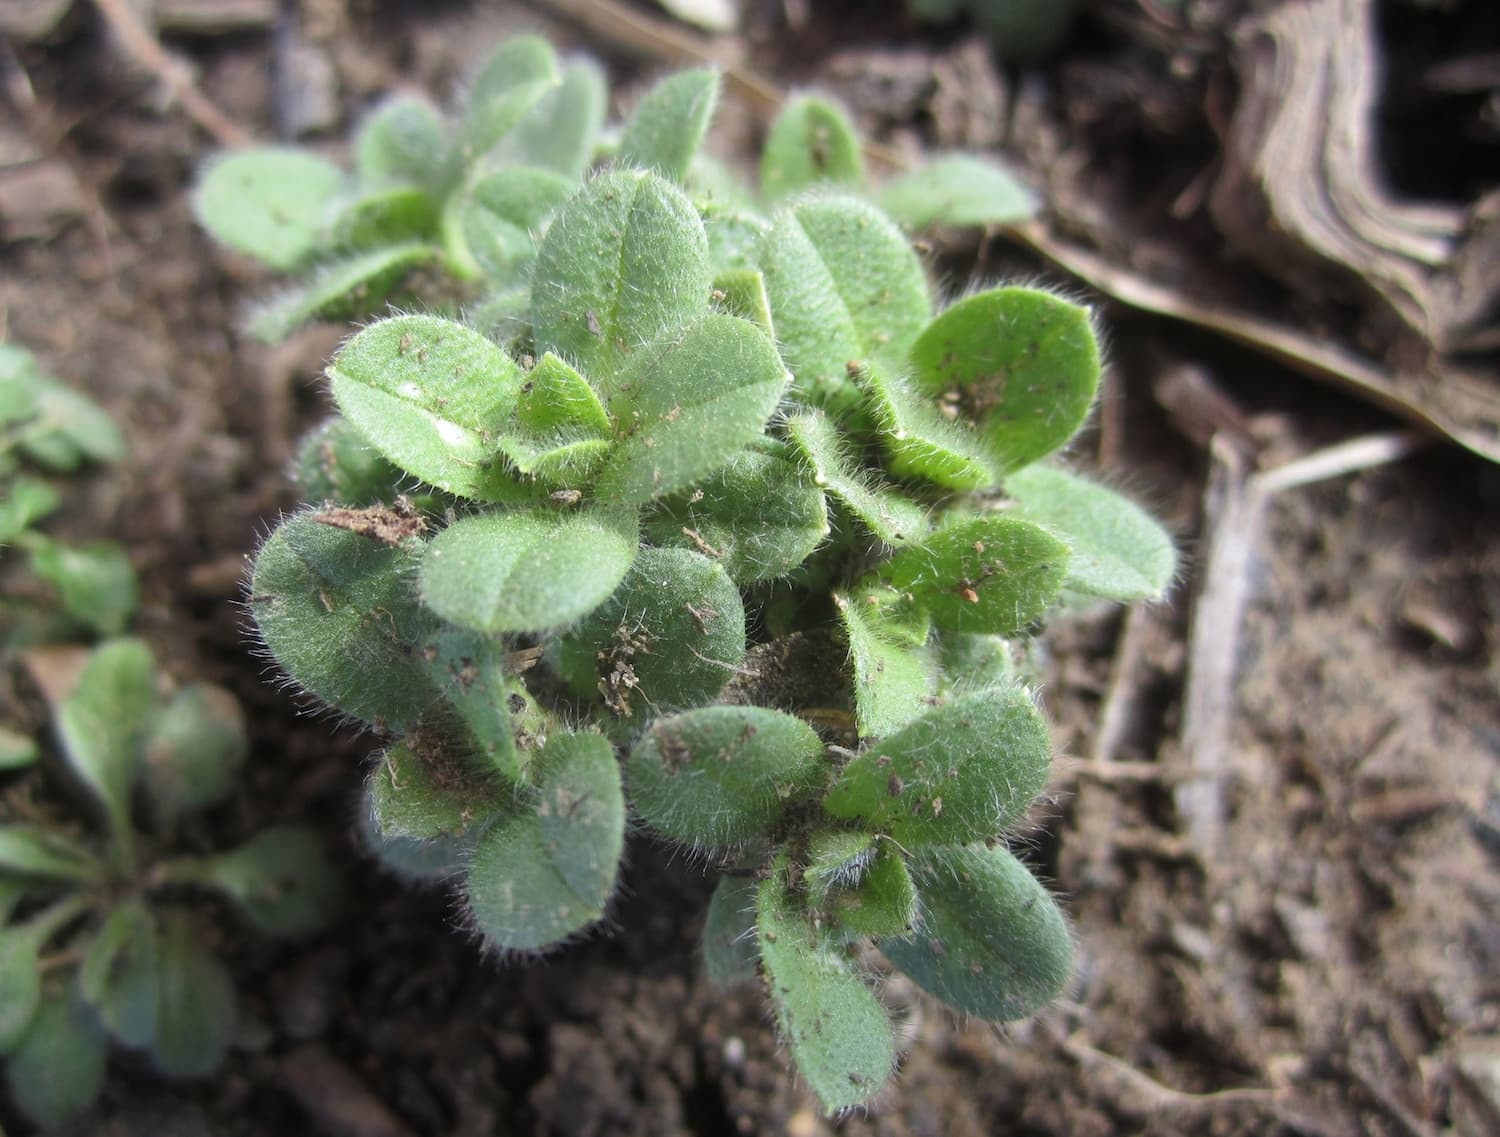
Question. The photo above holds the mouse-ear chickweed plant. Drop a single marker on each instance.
(728, 526)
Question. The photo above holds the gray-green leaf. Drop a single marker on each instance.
(671, 636)
(810, 142)
(194, 752)
(1118, 550)
(964, 771)
(957, 189)
(432, 396)
(624, 260)
(281, 879)
(525, 572)
(685, 405)
(271, 202)
(717, 777)
(57, 1071)
(993, 573)
(838, 1033)
(992, 942)
(547, 874)
(760, 516)
(119, 974)
(195, 1003)
(1019, 364)
(667, 126)
(729, 948)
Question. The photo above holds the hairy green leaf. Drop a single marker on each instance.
(625, 260)
(271, 202)
(403, 140)
(1118, 550)
(992, 942)
(1021, 365)
(349, 288)
(895, 671)
(525, 572)
(845, 288)
(957, 189)
(391, 215)
(742, 292)
(919, 442)
(891, 517)
(883, 902)
(561, 131)
(810, 142)
(547, 874)
(671, 636)
(972, 662)
(564, 431)
(509, 86)
(992, 573)
(338, 613)
(686, 403)
(195, 1002)
(760, 516)
(839, 1034)
(57, 1071)
(500, 216)
(717, 777)
(119, 974)
(432, 396)
(667, 126)
(834, 859)
(964, 771)
(729, 949)
(336, 464)
(419, 789)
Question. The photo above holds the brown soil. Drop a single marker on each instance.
(1326, 964)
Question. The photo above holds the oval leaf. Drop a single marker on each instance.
(524, 572)
(545, 875)
(671, 636)
(432, 396)
(993, 573)
(685, 404)
(1119, 551)
(57, 1071)
(958, 189)
(838, 1033)
(195, 1004)
(103, 724)
(992, 942)
(964, 771)
(1021, 365)
(845, 286)
(625, 260)
(418, 790)
(119, 974)
(716, 777)
(271, 202)
(667, 126)
(810, 142)
(195, 750)
(281, 879)
(760, 516)
(403, 140)
(336, 611)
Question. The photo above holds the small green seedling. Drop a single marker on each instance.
(48, 430)
(580, 566)
(98, 941)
